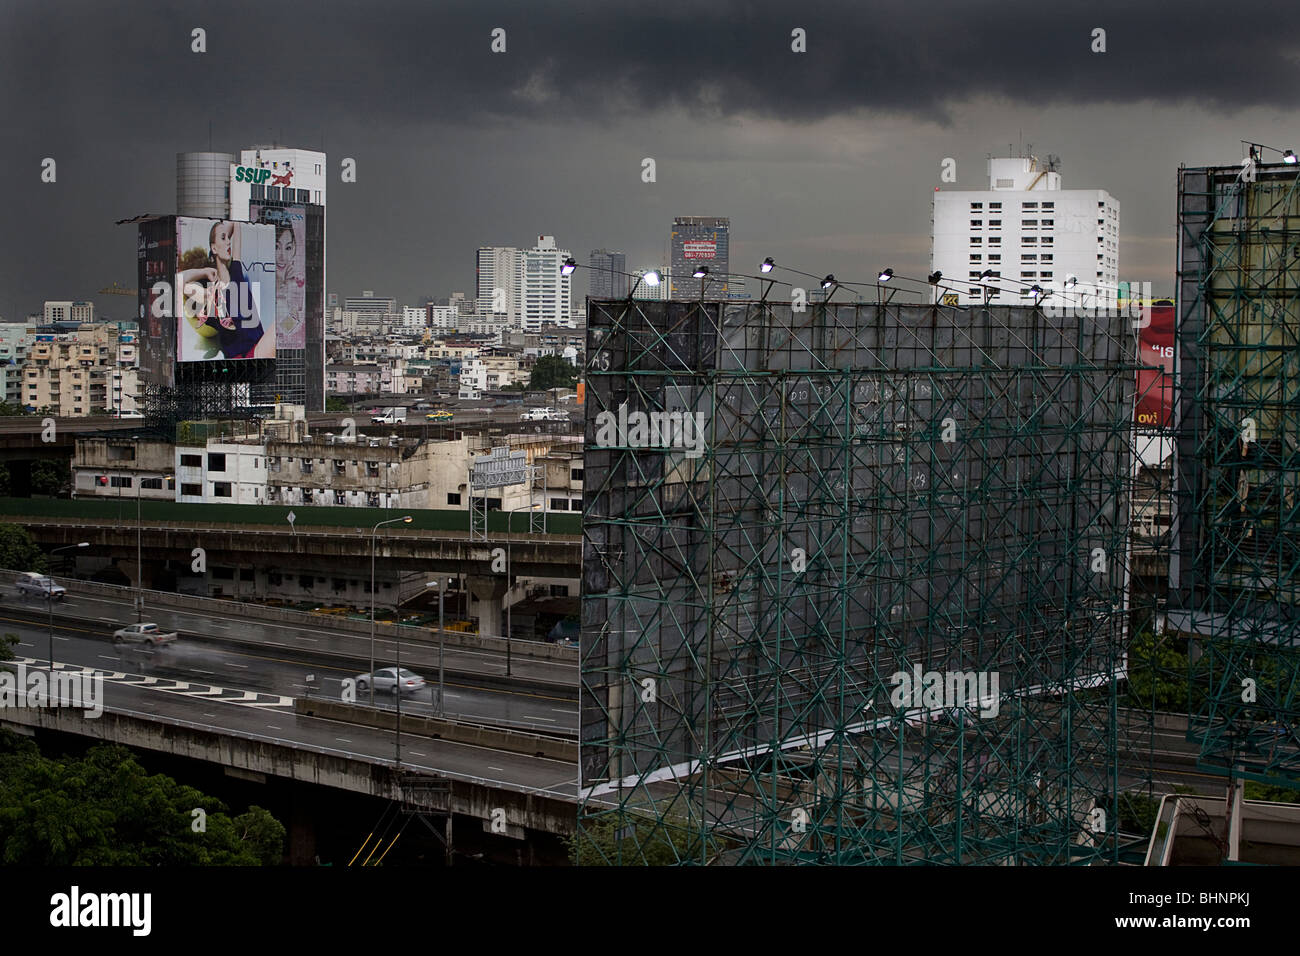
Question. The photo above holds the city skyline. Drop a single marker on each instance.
(799, 154)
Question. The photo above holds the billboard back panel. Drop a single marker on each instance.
(226, 290)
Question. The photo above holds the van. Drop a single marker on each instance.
(390, 416)
(40, 585)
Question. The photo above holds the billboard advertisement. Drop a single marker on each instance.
(1155, 389)
(700, 249)
(290, 224)
(225, 280)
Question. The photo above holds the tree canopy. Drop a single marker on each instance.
(18, 552)
(104, 809)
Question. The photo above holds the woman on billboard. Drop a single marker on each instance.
(229, 311)
(290, 295)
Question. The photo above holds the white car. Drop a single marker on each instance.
(150, 634)
(385, 680)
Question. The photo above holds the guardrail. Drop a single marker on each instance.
(440, 728)
(534, 650)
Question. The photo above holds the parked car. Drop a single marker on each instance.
(40, 585)
(149, 633)
(385, 680)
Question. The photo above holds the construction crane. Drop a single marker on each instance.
(116, 289)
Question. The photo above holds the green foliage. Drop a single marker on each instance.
(551, 371)
(1137, 813)
(12, 409)
(50, 477)
(645, 842)
(7, 645)
(185, 433)
(1264, 791)
(104, 809)
(18, 552)
(4, 479)
(335, 404)
(1157, 671)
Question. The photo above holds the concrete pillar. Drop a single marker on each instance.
(488, 590)
(302, 831)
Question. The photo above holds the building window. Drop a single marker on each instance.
(1029, 257)
(995, 257)
(191, 461)
(575, 474)
(1049, 205)
(306, 496)
(559, 504)
(1029, 223)
(976, 258)
(559, 590)
(976, 206)
(306, 464)
(216, 461)
(1048, 223)
(453, 498)
(340, 467)
(192, 491)
(995, 223)
(995, 207)
(221, 489)
(340, 498)
(153, 484)
(1029, 206)
(977, 223)
(306, 581)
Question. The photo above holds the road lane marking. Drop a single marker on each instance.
(343, 740)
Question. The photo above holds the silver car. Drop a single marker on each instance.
(385, 680)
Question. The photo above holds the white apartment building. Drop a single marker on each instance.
(413, 318)
(652, 293)
(545, 295)
(230, 473)
(498, 267)
(1027, 230)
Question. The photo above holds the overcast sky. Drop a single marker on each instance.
(826, 160)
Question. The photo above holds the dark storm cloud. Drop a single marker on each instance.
(431, 61)
(113, 92)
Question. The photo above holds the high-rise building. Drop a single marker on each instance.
(544, 293)
(700, 241)
(607, 278)
(497, 268)
(1027, 231)
(286, 188)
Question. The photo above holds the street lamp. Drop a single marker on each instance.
(139, 557)
(374, 532)
(440, 584)
(509, 532)
(49, 601)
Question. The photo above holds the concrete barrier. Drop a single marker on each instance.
(480, 735)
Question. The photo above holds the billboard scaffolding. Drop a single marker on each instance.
(854, 584)
(1235, 570)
